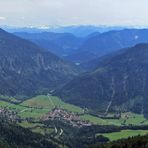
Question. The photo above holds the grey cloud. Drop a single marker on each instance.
(68, 12)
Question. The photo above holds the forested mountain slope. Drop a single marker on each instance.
(119, 83)
(26, 69)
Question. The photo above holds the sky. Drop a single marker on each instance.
(44, 13)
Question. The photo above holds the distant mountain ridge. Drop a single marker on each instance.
(77, 30)
(61, 44)
(108, 42)
(111, 41)
(83, 49)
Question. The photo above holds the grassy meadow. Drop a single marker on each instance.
(124, 134)
(39, 106)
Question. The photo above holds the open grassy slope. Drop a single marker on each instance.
(39, 106)
(127, 118)
(125, 134)
(50, 102)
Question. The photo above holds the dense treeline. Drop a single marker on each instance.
(85, 136)
(15, 136)
(75, 137)
(72, 137)
(133, 142)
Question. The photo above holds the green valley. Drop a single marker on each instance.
(124, 134)
(40, 115)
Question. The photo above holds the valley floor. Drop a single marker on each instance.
(35, 112)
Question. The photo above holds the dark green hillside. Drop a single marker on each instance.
(119, 83)
(134, 142)
(18, 137)
(26, 69)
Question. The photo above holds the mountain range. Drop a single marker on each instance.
(61, 44)
(118, 83)
(102, 44)
(77, 30)
(81, 50)
(27, 69)
(107, 42)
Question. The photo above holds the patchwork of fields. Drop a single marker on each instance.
(37, 107)
(124, 134)
(126, 119)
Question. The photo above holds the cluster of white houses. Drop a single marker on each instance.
(72, 118)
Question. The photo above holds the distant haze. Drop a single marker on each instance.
(73, 12)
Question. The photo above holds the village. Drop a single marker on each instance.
(56, 114)
(8, 115)
(68, 117)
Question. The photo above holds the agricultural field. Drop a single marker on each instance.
(36, 127)
(94, 120)
(50, 102)
(40, 105)
(124, 134)
(126, 119)
(37, 107)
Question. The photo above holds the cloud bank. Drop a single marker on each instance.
(73, 12)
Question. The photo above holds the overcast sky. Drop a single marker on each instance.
(73, 12)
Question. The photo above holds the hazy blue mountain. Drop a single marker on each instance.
(85, 30)
(80, 31)
(81, 58)
(27, 69)
(92, 64)
(111, 41)
(101, 44)
(62, 44)
(77, 30)
(119, 83)
(82, 50)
